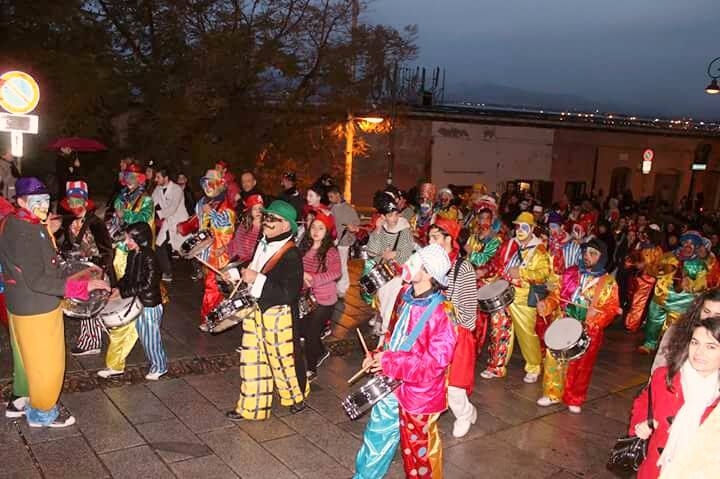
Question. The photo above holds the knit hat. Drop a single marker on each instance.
(285, 211)
(253, 200)
(327, 220)
(526, 218)
(436, 262)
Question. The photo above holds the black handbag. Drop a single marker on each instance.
(538, 292)
(629, 452)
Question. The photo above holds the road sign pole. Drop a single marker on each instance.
(16, 144)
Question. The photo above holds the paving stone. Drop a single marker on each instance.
(577, 453)
(135, 462)
(69, 458)
(486, 424)
(193, 409)
(22, 474)
(216, 389)
(105, 428)
(328, 405)
(34, 435)
(14, 457)
(244, 456)
(614, 406)
(333, 440)
(172, 440)
(208, 467)
(304, 459)
(138, 404)
(272, 428)
(487, 457)
(588, 423)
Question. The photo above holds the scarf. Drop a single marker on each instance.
(698, 393)
(27, 216)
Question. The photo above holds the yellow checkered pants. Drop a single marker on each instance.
(266, 361)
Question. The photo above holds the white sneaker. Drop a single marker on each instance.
(154, 376)
(461, 427)
(531, 378)
(487, 374)
(204, 327)
(546, 401)
(15, 408)
(109, 372)
(575, 409)
(64, 419)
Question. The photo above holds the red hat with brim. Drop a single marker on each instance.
(64, 205)
(450, 227)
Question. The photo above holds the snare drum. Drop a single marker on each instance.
(231, 312)
(97, 299)
(226, 287)
(495, 296)
(378, 277)
(362, 400)
(121, 311)
(566, 339)
(196, 244)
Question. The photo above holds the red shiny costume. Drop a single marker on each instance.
(644, 284)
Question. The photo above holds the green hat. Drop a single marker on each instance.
(284, 210)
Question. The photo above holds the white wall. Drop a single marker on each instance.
(465, 153)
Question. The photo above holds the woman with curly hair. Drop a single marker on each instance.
(684, 393)
(321, 265)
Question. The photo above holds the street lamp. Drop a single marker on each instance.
(349, 141)
(714, 73)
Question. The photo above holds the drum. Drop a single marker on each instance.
(231, 312)
(359, 251)
(121, 311)
(224, 286)
(83, 309)
(362, 400)
(307, 303)
(566, 339)
(196, 244)
(495, 296)
(377, 277)
(116, 230)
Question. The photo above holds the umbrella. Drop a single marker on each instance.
(77, 144)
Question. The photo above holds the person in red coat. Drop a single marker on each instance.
(684, 393)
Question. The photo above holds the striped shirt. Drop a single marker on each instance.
(381, 240)
(572, 253)
(243, 243)
(324, 285)
(462, 292)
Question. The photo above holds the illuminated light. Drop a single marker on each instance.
(16, 144)
(610, 116)
(372, 119)
(699, 167)
(712, 88)
(646, 167)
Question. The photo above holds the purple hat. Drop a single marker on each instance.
(29, 185)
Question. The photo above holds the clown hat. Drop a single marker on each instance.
(77, 189)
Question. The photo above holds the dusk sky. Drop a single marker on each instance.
(638, 54)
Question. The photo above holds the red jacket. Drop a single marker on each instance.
(665, 404)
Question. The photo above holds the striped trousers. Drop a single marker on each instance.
(267, 360)
(147, 328)
(90, 334)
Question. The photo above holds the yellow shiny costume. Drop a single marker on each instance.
(266, 361)
(535, 269)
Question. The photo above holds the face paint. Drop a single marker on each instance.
(77, 205)
(522, 231)
(39, 205)
(131, 180)
(577, 232)
(555, 230)
(590, 257)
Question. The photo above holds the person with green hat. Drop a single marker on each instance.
(270, 354)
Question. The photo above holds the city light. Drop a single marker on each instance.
(712, 88)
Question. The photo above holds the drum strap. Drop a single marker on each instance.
(397, 239)
(277, 256)
(408, 342)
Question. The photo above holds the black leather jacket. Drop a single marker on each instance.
(142, 278)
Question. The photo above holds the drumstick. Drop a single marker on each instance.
(359, 373)
(362, 341)
(237, 286)
(579, 305)
(209, 266)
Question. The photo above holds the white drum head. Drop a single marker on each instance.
(492, 290)
(563, 333)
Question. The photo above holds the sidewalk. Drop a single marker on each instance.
(176, 427)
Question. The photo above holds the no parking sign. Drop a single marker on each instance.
(19, 95)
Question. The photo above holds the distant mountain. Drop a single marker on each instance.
(503, 95)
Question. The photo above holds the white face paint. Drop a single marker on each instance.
(39, 205)
(522, 231)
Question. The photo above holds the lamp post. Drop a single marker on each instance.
(349, 142)
(713, 72)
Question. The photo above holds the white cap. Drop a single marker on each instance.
(436, 262)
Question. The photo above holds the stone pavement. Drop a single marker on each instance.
(176, 427)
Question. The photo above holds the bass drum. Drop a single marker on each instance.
(97, 299)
